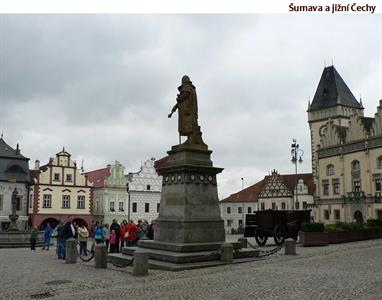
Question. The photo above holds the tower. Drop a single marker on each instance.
(332, 102)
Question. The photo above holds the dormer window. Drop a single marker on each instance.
(69, 177)
(56, 177)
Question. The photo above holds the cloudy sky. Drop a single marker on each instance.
(102, 85)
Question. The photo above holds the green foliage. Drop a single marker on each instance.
(312, 227)
(331, 227)
(373, 223)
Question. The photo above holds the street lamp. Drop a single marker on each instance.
(297, 154)
(128, 201)
(242, 204)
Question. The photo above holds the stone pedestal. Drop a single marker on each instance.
(71, 251)
(226, 253)
(189, 216)
(290, 247)
(140, 263)
(100, 256)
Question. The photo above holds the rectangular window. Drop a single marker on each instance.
(262, 206)
(30, 201)
(240, 210)
(69, 177)
(229, 223)
(273, 205)
(65, 201)
(56, 177)
(326, 214)
(47, 201)
(325, 188)
(337, 214)
(148, 187)
(378, 184)
(147, 207)
(228, 210)
(240, 223)
(336, 188)
(304, 204)
(356, 186)
(283, 206)
(134, 207)
(158, 207)
(297, 205)
(249, 210)
(1, 202)
(81, 201)
(18, 203)
(111, 206)
(120, 206)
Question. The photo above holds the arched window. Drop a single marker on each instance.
(379, 162)
(330, 170)
(355, 166)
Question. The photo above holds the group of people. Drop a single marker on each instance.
(114, 236)
(121, 235)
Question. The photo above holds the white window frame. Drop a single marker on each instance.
(81, 201)
(65, 201)
(47, 201)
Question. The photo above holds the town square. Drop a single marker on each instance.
(190, 157)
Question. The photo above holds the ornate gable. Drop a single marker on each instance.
(333, 135)
(275, 187)
(376, 128)
(356, 130)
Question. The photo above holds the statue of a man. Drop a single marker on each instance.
(187, 106)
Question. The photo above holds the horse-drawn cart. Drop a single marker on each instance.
(279, 224)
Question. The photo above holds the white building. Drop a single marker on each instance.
(145, 188)
(275, 191)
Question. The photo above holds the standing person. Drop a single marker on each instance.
(33, 238)
(115, 226)
(68, 232)
(113, 241)
(47, 235)
(124, 234)
(106, 235)
(83, 235)
(60, 250)
(150, 233)
(98, 234)
(133, 230)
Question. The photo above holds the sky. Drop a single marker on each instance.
(102, 85)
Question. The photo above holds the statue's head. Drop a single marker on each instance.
(186, 79)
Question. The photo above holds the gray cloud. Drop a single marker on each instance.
(102, 85)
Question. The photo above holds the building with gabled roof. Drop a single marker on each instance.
(275, 192)
(60, 192)
(14, 174)
(109, 193)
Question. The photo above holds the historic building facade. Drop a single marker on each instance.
(14, 174)
(60, 191)
(109, 193)
(275, 191)
(145, 188)
(346, 153)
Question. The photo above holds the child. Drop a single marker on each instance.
(113, 241)
(33, 238)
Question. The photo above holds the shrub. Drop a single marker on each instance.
(352, 226)
(372, 223)
(312, 227)
(331, 227)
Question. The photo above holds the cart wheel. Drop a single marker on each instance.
(278, 236)
(261, 240)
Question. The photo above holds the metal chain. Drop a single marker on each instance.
(91, 251)
(266, 253)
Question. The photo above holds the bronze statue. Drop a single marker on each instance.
(187, 105)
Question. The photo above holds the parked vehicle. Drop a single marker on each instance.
(279, 224)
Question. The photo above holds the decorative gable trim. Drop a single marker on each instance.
(81, 191)
(66, 190)
(47, 189)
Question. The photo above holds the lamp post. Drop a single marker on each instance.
(128, 201)
(242, 204)
(297, 154)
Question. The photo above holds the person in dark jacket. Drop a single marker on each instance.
(60, 240)
(69, 231)
(115, 226)
(33, 238)
(47, 235)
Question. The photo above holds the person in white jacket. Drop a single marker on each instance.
(83, 235)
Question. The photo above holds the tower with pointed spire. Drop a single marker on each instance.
(332, 101)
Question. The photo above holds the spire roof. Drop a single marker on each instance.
(8, 152)
(332, 91)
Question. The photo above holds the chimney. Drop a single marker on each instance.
(37, 164)
(17, 149)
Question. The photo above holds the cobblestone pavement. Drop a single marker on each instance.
(343, 271)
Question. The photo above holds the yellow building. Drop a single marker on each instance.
(60, 191)
(346, 153)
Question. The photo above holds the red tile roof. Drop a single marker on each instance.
(98, 177)
(161, 163)
(250, 194)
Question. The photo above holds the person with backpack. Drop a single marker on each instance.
(98, 233)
